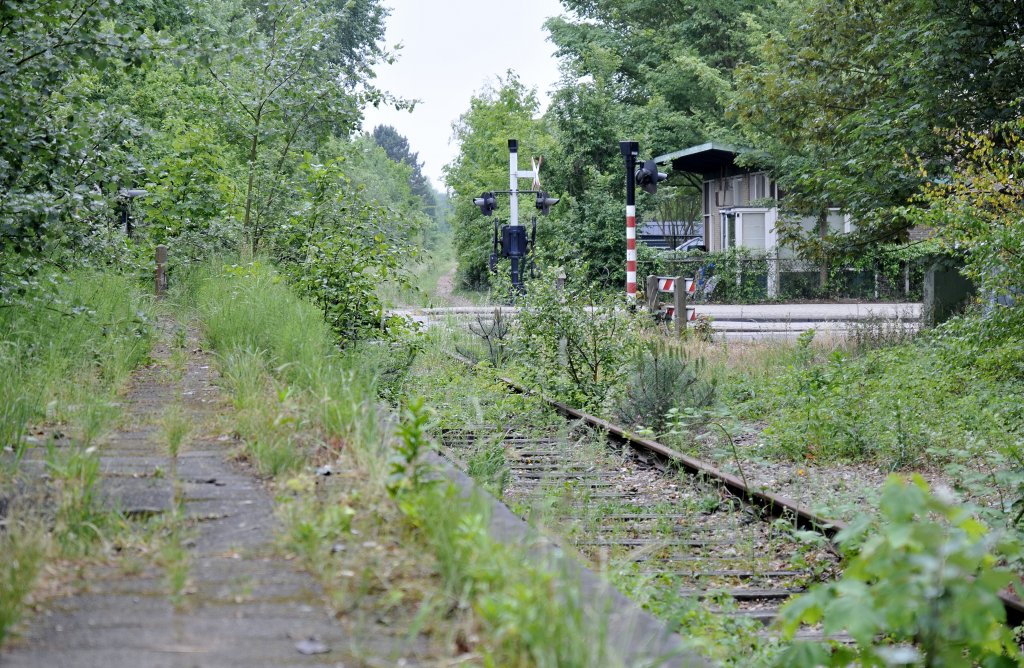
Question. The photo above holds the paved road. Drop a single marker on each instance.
(744, 321)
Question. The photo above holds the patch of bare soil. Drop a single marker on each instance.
(446, 291)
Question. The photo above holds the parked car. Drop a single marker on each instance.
(697, 243)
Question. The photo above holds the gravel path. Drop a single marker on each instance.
(446, 291)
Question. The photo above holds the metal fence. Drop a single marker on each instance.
(733, 278)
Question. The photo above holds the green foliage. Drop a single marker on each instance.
(575, 344)
(286, 86)
(315, 526)
(93, 327)
(663, 378)
(532, 613)
(250, 307)
(24, 551)
(338, 250)
(63, 150)
(844, 91)
(488, 465)
(894, 406)
(213, 108)
(81, 521)
(396, 147)
(919, 588)
(408, 470)
(268, 337)
(978, 213)
(496, 115)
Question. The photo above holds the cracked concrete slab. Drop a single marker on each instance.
(246, 604)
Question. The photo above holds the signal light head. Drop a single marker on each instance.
(544, 202)
(487, 203)
(648, 177)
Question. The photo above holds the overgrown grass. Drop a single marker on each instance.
(532, 611)
(24, 549)
(64, 358)
(278, 360)
(64, 355)
(897, 406)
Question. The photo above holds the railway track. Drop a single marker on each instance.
(680, 535)
(647, 514)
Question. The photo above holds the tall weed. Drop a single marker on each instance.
(69, 349)
(24, 550)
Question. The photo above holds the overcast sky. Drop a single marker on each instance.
(450, 51)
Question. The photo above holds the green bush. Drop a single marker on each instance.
(920, 588)
(663, 377)
(574, 343)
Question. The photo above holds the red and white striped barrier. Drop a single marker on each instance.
(668, 312)
(669, 285)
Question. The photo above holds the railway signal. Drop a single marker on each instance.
(512, 240)
(487, 203)
(648, 177)
(544, 202)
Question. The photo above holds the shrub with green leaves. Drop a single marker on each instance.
(920, 588)
(663, 378)
(575, 343)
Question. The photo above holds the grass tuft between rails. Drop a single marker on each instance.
(300, 403)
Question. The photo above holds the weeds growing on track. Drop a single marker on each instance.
(278, 361)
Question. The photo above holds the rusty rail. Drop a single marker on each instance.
(773, 504)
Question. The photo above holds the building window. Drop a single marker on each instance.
(754, 231)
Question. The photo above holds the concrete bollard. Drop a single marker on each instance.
(679, 302)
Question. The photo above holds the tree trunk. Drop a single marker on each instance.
(249, 194)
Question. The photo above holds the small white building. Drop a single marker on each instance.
(740, 204)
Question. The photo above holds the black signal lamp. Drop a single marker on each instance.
(648, 177)
(545, 202)
(487, 203)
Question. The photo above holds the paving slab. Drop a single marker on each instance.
(246, 604)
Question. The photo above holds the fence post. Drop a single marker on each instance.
(651, 292)
(161, 270)
(679, 302)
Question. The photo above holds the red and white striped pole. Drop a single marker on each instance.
(630, 151)
(631, 252)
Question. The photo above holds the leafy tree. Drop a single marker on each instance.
(63, 152)
(660, 73)
(978, 212)
(397, 148)
(280, 96)
(496, 115)
(388, 184)
(844, 91)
